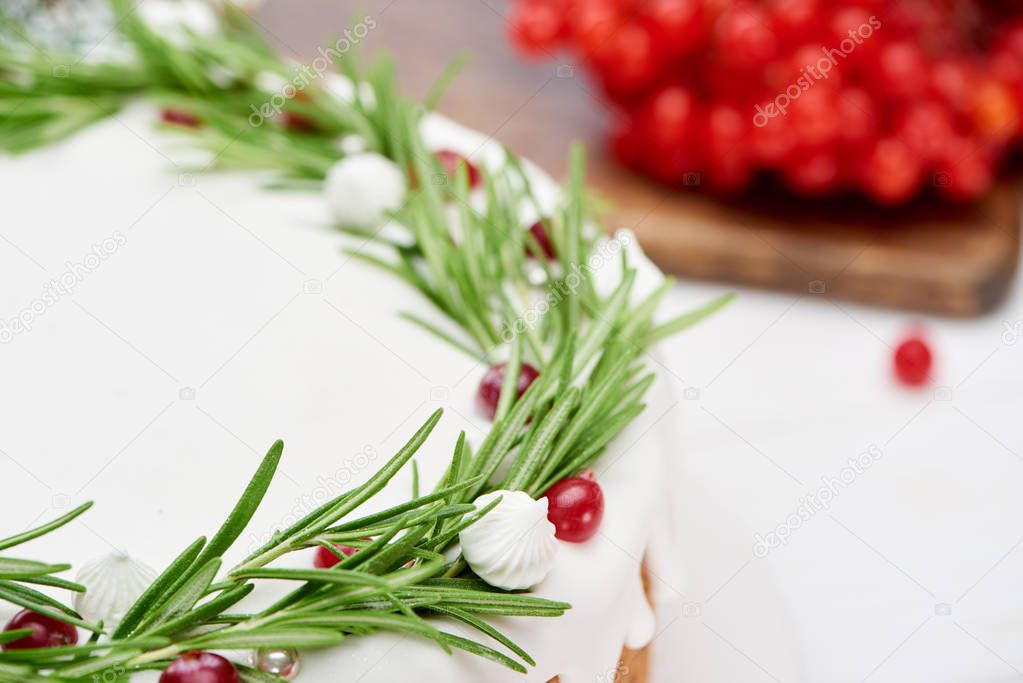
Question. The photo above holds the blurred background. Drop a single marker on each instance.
(849, 448)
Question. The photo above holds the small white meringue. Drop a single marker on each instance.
(512, 546)
(362, 188)
(174, 20)
(114, 583)
(352, 144)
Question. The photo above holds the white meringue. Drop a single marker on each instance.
(362, 188)
(512, 546)
(174, 20)
(114, 583)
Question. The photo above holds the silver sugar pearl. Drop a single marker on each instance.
(280, 662)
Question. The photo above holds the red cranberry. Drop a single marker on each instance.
(199, 667)
(633, 60)
(536, 27)
(858, 113)
(676, 24)
(593, 24)
(449, 161)
(298, 123)
(180, 117)
(46, 631)
(575, 506)
(539, 233)
(670, 116)
(963, 171)
(727, 159)
(927, 128)
(627, 141)
(489, 392)
(901, 69)
(813, 173)
(913, 361)
(795, 19)
(325, 559)
(744, 36)
(892, 173)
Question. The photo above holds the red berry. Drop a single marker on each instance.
(633, 60)
(852, 34)
(795, 19)
(670, 117)
(539, 233)
(180, 117)
(1011, 37)
(813, 173)
(744, 37)
(627, 141)
(913, 361)
(726, 156)
(813, 117)
(298, 122)
(676, 24)
(858, 117)
(536, 27)
(892, 173)
(952, 80)
(489, 392)
(812, 64)
(592, 24)
(962, 170)
(774, 141)
(868, 95)
(672, 165)
(671, 126)
(926, 127)
(995, 115)
(46, 631)
(200, 667)
(901, 69)
(325, 559)
(575, 506)
(450, 161)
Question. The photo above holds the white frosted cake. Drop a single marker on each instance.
(163, 327)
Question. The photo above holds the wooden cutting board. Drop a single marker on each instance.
(940, 259)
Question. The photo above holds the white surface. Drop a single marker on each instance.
(913, 574)
(200, 319)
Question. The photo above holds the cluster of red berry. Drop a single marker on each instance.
(884, 97)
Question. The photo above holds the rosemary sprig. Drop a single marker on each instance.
(385, 586)
(17, 576)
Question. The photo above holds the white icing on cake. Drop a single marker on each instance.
(178, 323)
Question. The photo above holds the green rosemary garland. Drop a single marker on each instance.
(590, 350)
